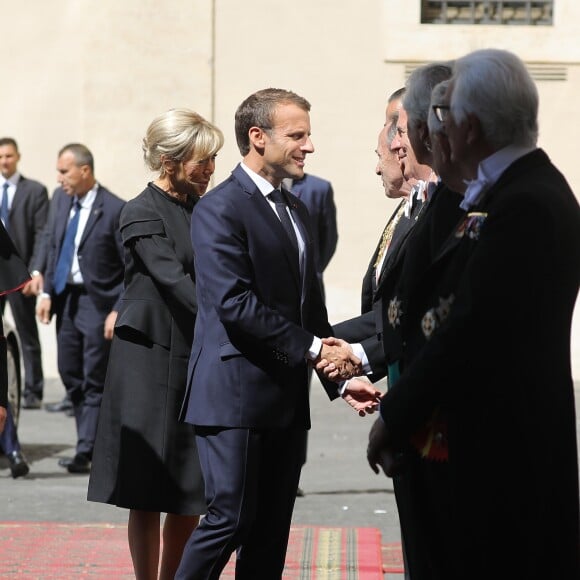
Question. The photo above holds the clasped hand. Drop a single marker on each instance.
(337, 361)
(362, 396)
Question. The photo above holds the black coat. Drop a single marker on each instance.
(144, 458)
(367, 327)
(498, 356)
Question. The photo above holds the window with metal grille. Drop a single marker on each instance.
(514, 12)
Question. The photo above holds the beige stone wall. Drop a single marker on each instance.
(329, 52)
(97, 71)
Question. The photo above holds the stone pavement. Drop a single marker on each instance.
(340, 489)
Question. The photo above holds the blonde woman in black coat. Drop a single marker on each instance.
(144, 459)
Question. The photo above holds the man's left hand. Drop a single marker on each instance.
(380, 452)
(362, 396)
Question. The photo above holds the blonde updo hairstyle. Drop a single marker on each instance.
(177, 134)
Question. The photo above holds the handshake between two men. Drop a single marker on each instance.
(338, 363)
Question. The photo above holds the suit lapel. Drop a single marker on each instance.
(393, 254)
(19, 196)
(301, 219)
(62, 218)
(268, 217)
(519, 166)
(94, 216)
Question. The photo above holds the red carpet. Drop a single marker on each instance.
(49, 550)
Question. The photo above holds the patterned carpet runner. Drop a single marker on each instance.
(47, 550)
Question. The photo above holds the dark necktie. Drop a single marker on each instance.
(281, 209)
(4, 212)
(67, 251)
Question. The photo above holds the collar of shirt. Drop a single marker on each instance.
(431, 187)
(88, 199)
(262, 184)
(489, 171)
(416, 196)
(12, 182)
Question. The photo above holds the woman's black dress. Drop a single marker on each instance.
(144, 458)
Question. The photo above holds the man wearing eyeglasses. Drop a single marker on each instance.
(497, 348)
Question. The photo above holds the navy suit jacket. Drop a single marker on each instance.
(28, 217)
(257, 313)
(100, 251)
(39, 259)
(318, 196)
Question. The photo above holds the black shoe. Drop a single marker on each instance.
(79, 464)
(18, 465)
(63, 405)
(31, 401)
(65, 461)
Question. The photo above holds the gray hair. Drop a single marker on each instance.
(419, 86)
(496, 87)
(437, 94)
(394, 118)
(81, 153)
(177, 135)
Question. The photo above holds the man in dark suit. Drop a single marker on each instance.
(83, 282)
(26, 203)
(38, 265)
(425, 466)
(384, 271)
(409, 188)
(259, 323)
(497, 304)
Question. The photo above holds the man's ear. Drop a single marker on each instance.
(444, 148)
(257, 137)
(474, 132)
(424, 135)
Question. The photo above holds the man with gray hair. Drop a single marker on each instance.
(422, 468)
(497, 338)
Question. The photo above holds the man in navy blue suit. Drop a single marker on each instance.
(84, 290)
(259, 323)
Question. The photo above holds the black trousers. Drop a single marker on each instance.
(83, 354)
